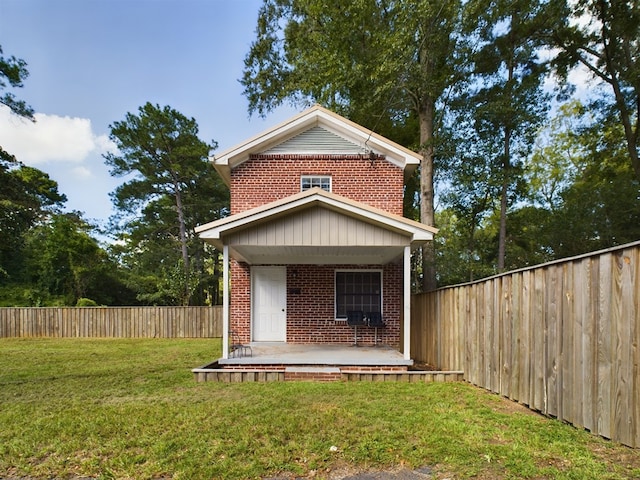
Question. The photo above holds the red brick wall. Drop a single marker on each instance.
(240, 301)
(310, 313)
(266, 178)
(311, 316)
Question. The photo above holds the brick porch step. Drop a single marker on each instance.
(317, 373)
(312, 369)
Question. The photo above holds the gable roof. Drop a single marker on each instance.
(219, 231)
(300, 134)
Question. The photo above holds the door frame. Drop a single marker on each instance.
(254, 280)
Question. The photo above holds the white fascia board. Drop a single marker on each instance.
(397, 155)
(214, 230)
(312, 117)
(263, 141)
(397, 223)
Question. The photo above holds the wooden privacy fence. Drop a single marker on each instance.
(118, 322)
(562, 338)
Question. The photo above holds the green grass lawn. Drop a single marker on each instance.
(131, 409)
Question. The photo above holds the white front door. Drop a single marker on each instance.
(269, 304)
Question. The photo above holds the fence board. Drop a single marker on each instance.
(604, 344)
(550, 346)
(567, 346)
(118, 322)
(516, 341)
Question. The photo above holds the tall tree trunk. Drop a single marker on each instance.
(506, 159)
(426, 115)
(506, 167)
(631, 134)
(183, 244)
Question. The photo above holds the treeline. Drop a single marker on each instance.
(517, 169)
(50, 257)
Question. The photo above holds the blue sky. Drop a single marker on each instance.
(92, 61)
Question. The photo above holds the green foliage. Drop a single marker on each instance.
(464, 253)
(171, 188)
(505, 103)
(582, 177)
(86, 302)
(581, 195)
(27, 197)
(364, 59)
(64, 262)
(13, 72)
(607, 45)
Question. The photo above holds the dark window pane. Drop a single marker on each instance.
(358, 291)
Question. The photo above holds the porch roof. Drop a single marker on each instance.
(316, 227)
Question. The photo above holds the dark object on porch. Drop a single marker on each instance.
(355, 318)
(375, 321)
(237, 349)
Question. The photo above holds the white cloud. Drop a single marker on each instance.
(50, 139)
(81, 173)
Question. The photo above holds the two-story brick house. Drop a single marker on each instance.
(316, 231)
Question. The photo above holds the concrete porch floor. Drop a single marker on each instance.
(266, 353)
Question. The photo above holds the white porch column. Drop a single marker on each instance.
(225, 301)
(407, 303)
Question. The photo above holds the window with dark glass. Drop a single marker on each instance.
(358, 290)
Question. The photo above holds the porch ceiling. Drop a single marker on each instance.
(315, 255)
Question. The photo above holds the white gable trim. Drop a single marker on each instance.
(310, 118)
(214, 231)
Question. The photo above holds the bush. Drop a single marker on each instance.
(86, 302)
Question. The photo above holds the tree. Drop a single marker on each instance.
(172, 187)
(13, 72)
(28, 196)
(591, 196)
(605, 38)
(557, 157)
(508, 104)
(64, 263)
(373, 61)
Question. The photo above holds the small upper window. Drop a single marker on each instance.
(310, 181)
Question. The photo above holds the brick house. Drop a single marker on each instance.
(316, 232)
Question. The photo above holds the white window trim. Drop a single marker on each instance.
(341, 270)
(321, 177)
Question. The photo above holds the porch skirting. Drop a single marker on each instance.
(283, 373)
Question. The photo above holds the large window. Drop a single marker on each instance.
(310, 181)
(358, 290)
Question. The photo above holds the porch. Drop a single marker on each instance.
(279, 353)
(330, 362)
(299, 264)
